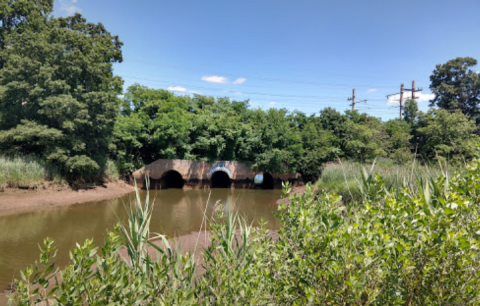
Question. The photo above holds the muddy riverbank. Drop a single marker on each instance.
(15, 200)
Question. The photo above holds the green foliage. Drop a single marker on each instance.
(57, 90)
(397, 248)
(447, 135)
(111, 171)
(18, 15)
(346, 179)
(402, 245)
(400, 136)
(410, 112)
(456, 86)
(26, 172)
(156, 124)
(102, 276)
(237, 264)
(59, 101)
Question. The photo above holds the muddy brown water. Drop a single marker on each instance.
(176, 212)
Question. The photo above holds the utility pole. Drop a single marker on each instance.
(413, 90)
(353, 100)
(401, 100)
(402, 90)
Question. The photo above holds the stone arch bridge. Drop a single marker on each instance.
(178, 173)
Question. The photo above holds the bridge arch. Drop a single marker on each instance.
(268, 181)
(171, 179)
(220, 179)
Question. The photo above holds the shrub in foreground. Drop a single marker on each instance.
(398, 247)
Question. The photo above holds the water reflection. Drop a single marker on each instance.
(176, 213)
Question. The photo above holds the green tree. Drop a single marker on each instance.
(334, 121)
(278, 143)
(316, 149)
(447, 135)
(18, 15)
(410, 112)
(218, 129)
(399, 133)
(365, 137)
(456, 86)
(57, 77)
(154, 123)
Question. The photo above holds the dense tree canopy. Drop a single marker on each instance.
(59, 100)
(456, 86)
(157, 124)
(448, 135)
(58, 96)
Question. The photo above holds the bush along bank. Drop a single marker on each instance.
(398, 247)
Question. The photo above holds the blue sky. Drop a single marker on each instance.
(299, 55)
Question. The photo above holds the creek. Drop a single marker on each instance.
(176, 212)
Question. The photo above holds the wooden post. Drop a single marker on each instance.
(401, 100)
(413, 90)
(353, 100)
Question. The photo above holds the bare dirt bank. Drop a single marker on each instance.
(14, 200)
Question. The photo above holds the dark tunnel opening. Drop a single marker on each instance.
(171, 179)
(268, 182)
(220, 179)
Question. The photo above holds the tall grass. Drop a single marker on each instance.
(111, 171)
(26, 172)
(340, 177)
(30, 172)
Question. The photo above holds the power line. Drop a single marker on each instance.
(232, 74)
(243, 92)
(259, 77)
(304, 103)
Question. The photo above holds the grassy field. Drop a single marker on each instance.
(345, 179)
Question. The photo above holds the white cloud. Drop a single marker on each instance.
(195, 92)
(371, 90)
(177, 88)
(420, 97)
(272, 103)
(239, 81)
(215, 79)
(225, 90)
(238, 93)
(69, 7)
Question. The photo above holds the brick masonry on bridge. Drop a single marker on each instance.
(198, 174)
